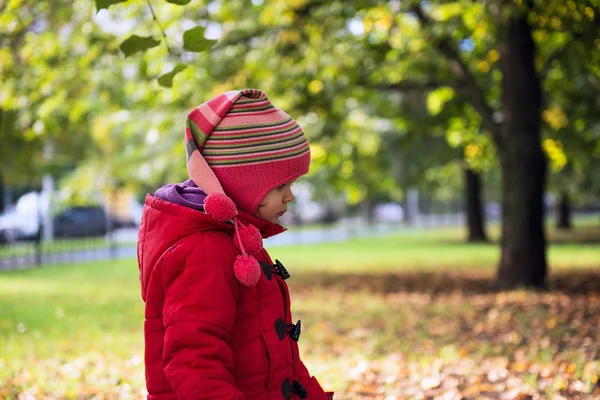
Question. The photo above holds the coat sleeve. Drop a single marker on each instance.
(198, 316)
(312, 386)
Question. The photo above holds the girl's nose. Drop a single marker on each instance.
(289, 197)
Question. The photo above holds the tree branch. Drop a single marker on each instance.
(409, 85)
(466, 78)
(162, 31)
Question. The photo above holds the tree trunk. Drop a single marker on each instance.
(366, 211)
(6, 193)
(523, 257)
(408, 217)
(564, 220)
(2, 200)
(475, 217)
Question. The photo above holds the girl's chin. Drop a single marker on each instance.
(274, 219)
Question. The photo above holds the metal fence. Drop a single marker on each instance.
(120, 241)
(73, 234)
(27, 253)
(79, 238)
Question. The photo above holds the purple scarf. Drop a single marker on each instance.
(185, 194)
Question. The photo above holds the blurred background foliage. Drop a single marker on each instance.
(393, 95)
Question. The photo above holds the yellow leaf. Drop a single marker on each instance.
(572, 5)
(368, 24)
(318, 152)
(384, 23)
(555, 152)
(473, 150)
(551, 323)
(296, 3)
(519, 367)
(315, 87)
(493, 56)
(444, 12)
(220, 88)
(289, 37)
(555, 22)
(555, 117)
(239, 80)
(356, 194)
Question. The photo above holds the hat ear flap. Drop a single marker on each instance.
(202, 174)
(217, 205)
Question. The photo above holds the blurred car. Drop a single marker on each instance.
(81, 221)
(23, 221)
(72, 222)
(388, 212)
(16, 226)
(8, 229)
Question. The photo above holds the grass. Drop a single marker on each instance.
(374, 309)
(428, 250)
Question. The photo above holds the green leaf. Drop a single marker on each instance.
(445, 12)
(437, 98)
(166, 80)
(179, 2)
(194, 40)
(100, 4)
(135, 43)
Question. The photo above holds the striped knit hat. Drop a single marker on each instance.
(239, 148)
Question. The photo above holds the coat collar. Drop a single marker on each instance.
(266, 228)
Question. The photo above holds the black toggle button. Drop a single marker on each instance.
(266, 270)
(280, 270)
(286, 389)
(295, 330)
(298, 389)
(280, 328)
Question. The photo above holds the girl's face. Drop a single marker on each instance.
(275, 203)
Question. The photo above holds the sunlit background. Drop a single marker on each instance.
(455, 171)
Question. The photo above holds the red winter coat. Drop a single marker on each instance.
(206, 335)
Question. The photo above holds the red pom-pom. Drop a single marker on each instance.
(251, 239)
(246, 270)
(220, 207)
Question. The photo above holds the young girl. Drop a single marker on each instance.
(217, 322)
